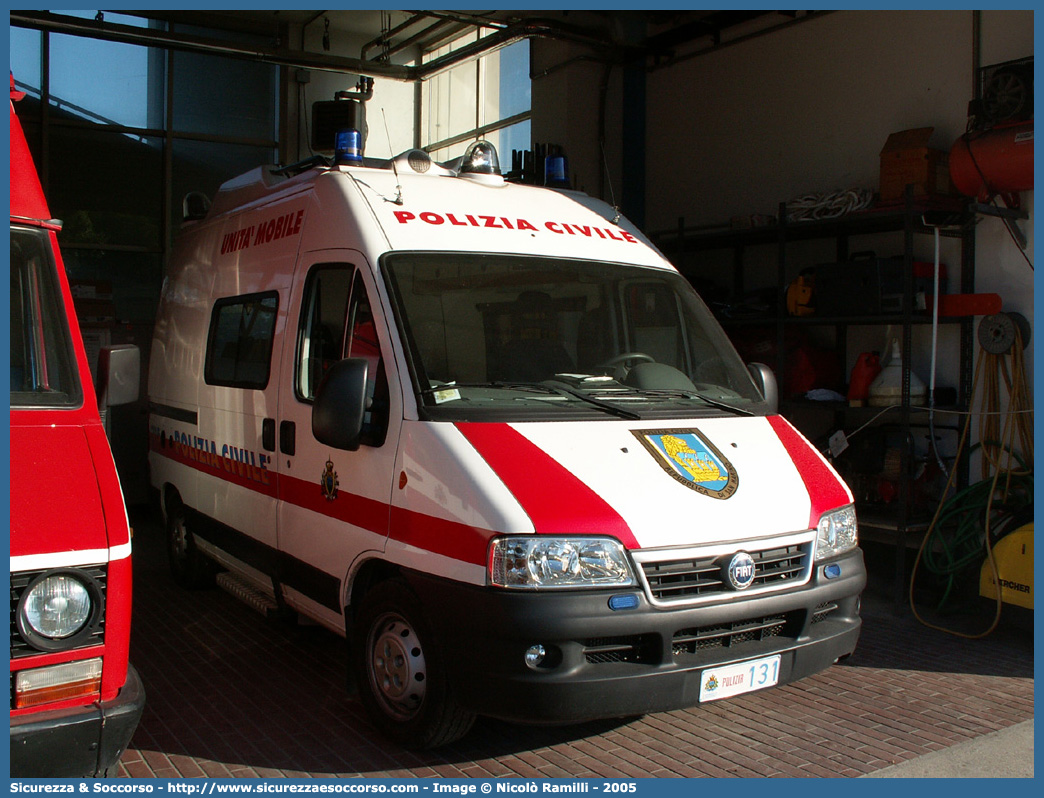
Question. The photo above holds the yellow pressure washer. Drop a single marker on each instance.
(1013, 556)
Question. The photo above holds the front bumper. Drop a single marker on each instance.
(604, 663)
(78, 742)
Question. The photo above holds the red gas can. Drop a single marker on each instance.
(867, 367)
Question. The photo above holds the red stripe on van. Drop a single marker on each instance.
(437, 535)
(825, 490)
(555, 499)
(245, 475)
(440, 536)
(370, 514)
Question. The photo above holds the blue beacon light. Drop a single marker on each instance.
(348, 147)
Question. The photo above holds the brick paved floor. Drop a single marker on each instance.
(233, 694)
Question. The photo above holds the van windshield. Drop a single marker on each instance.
(518, 336)
(42, 370)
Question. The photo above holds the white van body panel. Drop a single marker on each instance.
(659, 510)
(467, 214)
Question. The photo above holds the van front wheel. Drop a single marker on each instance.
(399, 672)
(188, 567)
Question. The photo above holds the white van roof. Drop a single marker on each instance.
(441, 210)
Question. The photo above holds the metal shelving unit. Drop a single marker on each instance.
(909, 217)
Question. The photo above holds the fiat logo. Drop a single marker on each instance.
(740, 571)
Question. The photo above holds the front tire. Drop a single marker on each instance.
(399, 672)
(188, 567)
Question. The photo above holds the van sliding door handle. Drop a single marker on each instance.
(268, 434)
(287, 437)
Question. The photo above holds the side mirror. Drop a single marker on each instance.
(119, 375)
(194, 206)
(765, 380)
(340, 405)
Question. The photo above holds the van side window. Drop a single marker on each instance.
(362, 342)
(320, 335)
(239, 347)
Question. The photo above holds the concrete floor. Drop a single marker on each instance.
(233, 694)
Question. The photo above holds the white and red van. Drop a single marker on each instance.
(75, 699)
(490, 434)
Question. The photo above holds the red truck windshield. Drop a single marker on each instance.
(42, 363)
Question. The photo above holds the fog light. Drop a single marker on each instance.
(535, 655)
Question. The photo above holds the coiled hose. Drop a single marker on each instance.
(968, 521)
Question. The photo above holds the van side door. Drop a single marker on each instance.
(233, 508)
(334, 505)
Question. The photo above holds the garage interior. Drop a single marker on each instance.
(808, 172)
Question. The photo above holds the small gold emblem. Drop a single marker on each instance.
(328, 482)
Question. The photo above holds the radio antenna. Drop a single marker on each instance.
(609, 180)
(398, 186)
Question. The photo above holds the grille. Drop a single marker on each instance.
(20, 581)
(703, 638)
(632, 648)
(822, 611)
(676, 580)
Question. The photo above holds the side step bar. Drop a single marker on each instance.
(239, 588)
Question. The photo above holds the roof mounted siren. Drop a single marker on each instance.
(481, 162)
(556, 169)
(480, 159)
(348, 147)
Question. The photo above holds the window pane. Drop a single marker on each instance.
(88, 191)
(362, 342)
(205, 103)
(25, 59)
(322, 326)
(131, 279)
(516, 137)
(452, 102)
(506, 85)
(41, 368)
(118, 94)
(515, 93)
(453, 105)
(240, 347)
(450, 98)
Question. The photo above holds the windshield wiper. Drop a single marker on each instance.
(508, 385)
(547, 387)
(739, 411)
(609, 407)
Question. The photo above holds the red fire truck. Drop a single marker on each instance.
(75, 699)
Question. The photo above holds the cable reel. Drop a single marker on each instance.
(997, 332)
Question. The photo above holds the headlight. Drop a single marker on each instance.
(837, 532)
(541, 562)
(56, 607)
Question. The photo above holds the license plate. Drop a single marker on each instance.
(742, 677)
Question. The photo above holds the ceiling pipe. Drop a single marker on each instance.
(405, 44)
(385, 36)
(527, 29)
(467, 19)
(150, 37)
(53, 23)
